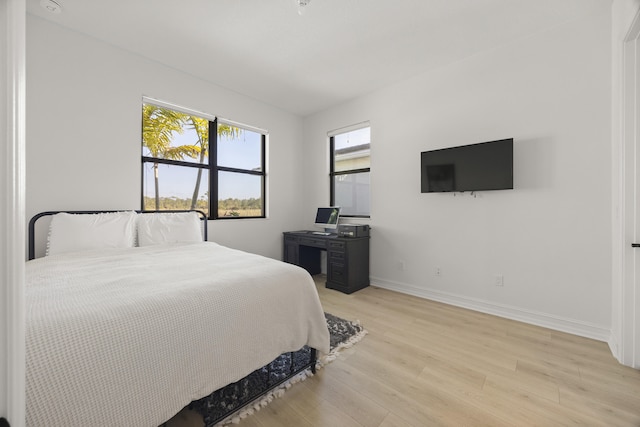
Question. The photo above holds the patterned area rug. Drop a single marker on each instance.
(254, 387)
(343, 334)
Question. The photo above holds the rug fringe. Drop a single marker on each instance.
(264, 400)
(333, 354)
(280, 390)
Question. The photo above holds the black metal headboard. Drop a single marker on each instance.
(32, 222)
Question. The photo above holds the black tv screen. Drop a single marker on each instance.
(475, 167)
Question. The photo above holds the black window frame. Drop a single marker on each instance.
(213, 169)
(333, 174)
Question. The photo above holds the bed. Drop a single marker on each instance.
(130, 333)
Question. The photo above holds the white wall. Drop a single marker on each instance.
(84, 113)
(551, 236)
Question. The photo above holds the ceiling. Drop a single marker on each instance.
(337, 50)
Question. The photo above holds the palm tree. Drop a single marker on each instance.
(158, 126)
(201, 126)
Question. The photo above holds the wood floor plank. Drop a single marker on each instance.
(349, 400)
(532, 409)
(384, 394)
(599, 408)
(277, 414)
(392, 420)
(452, 345)
(619, 399)
(328, 415)
(414, 401)
(616, 377)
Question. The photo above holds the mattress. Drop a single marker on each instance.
(128, 337)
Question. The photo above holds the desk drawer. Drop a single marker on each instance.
(337, 273)
(336, 246)
(334, 255)
(310, 241)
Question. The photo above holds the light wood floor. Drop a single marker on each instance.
(429, 364)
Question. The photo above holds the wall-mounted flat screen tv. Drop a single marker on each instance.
(475, 167)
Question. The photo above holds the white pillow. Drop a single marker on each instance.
(168, 227)
(78, 232)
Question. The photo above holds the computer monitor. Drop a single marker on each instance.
(327, 218)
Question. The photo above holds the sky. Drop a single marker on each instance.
(353, 138)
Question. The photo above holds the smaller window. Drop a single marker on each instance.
(350, 170)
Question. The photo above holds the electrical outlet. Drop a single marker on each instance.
(401, 265)
(438, 271)
(499, 280)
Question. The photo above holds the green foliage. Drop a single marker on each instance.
(158, 126)
(227, 207)
(174, 203)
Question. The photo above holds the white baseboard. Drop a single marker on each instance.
(613, 346)
(514, 313)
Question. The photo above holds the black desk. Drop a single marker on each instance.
(347, 258)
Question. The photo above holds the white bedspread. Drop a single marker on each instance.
(127, 337)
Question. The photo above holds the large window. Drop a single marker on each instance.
(195, 162)
(350, 170)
